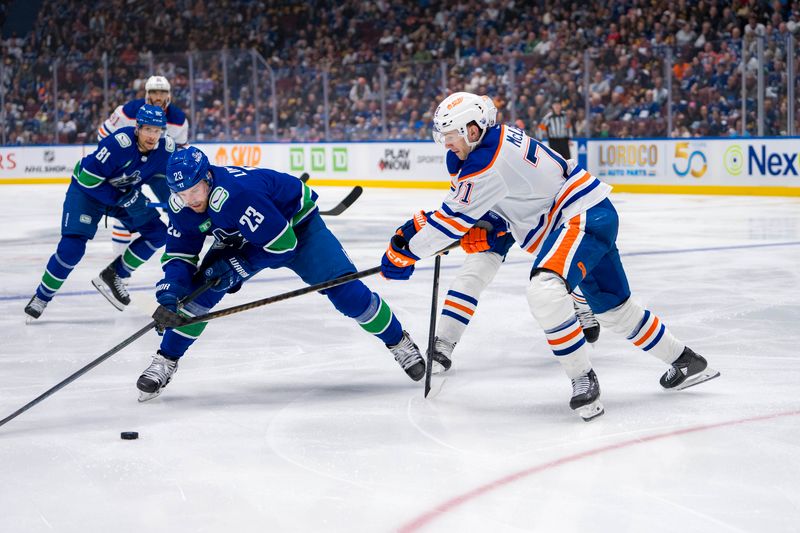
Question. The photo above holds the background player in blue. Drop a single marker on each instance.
(108, 182)
(158, 92)
(260, 219)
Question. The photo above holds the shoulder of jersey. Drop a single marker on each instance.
(121, 139)
(167, 145)
(132, 107)
(225, 188)
(175, 115)
(454, 164)
(483, 157)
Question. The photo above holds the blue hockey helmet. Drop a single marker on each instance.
(151, 115)
(186, 168)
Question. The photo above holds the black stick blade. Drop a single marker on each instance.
(346, 202)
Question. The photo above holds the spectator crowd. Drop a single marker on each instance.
(382, 66)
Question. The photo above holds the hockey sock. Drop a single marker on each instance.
(552, 306)
(120, 237)
(457, 310)
(462, 298)
(379, 320)
(579, 298)
(134, 256)
(644, 329)
(68, 254)
(355, 300)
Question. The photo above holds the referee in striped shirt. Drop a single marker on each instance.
(557, 129)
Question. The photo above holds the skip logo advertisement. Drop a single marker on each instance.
(240, 155)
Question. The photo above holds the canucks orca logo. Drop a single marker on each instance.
(126, 180)
(233, 239)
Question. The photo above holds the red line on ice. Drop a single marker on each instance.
(429, 516)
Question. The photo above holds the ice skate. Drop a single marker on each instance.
(156, 377)
(35, 308)
(586, 396)
(110, 285)
(406, 353)
(687, 370)
(589, 324)
(442, 353)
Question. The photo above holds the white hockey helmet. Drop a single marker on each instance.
(459, 110)
(158, 83)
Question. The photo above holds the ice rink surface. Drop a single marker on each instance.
(291, 418)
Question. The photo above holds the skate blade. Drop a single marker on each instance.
(436, 388)
(590, 411)
(102, 289)
(147, 396)
(437, 368)
(706, 375)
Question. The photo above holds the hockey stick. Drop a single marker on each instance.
(432, 328)
(100, 359)
(298, 292)
(346, 202)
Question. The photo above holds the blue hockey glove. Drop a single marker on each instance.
(166, 315)
(412, 226)
(230, 272)
(128, 199)
(168, 293)
(398, 261)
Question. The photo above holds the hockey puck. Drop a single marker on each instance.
(129, 435)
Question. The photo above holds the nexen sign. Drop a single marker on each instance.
(774, 163)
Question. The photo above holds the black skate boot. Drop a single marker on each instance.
(589, 324)
(687, 370)
(442, 353)
(110, 285)
(35, 307)
(407, 354)
(156, 377)
(586, 396)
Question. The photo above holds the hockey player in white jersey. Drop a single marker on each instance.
(560, 213)
(157, 91)
(486, 251)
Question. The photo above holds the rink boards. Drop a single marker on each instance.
(748, 166)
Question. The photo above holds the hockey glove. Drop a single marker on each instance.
(230, 272)
(166, 316)
(416, 223)
(398, 261)
(128, 199)
(484, 234)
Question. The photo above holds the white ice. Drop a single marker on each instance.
(291, 418)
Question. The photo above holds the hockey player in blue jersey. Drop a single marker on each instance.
(561, 214)
(108, 182)
(259, 219)
(157, 91)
